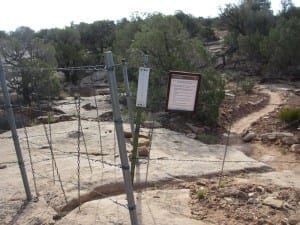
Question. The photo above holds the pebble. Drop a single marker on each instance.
(274, 203)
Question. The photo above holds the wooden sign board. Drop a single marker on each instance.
(183, 91)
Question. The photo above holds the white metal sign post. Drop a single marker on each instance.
(142, 91)
(141, 101)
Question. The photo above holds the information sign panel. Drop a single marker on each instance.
(142, 90)
(183, 91)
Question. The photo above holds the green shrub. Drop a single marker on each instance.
(283, 151)
(51, 118)
(201, 193)
(222, 184)
(210, 97)
(289, 115)
(247, 85)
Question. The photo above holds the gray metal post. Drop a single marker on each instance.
(128, 96)
(135, 152)
(120, 137)
(12, 124)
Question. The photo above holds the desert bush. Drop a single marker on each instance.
(289, 115)
(210, 97)
(201, 194)
(247, 85)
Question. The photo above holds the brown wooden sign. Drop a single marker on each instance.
(183, 91)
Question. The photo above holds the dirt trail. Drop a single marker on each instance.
(245, 122)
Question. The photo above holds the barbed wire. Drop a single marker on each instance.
(87, 68)
(157, 132)
(40, 135)
(71, 68)
(254, 161)
(74, 154)
(33, 109)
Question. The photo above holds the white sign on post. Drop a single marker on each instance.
(142, 90)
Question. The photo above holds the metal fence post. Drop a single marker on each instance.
(120, 137)
(128, 96)
(13, 128)
(135, 152)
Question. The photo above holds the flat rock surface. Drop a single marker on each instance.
(173, 157)
(285, 178)
(158, 207)
(68, 106)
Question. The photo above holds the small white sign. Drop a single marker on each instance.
(142, 90)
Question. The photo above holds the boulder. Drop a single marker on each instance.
(249, 137)
(196, 130)
(151, 124)
(143, 151)
(97, 79)
(273, 202)
(275, 135)
(290, 140)
(268, 137)
(295, 148)
(191, 135)
(284, 134)
(244, 132)
(127, 134)
(89, 106)
(103, 91)
(260, 189)
(297, 92)
(107, 116)
(143, 141)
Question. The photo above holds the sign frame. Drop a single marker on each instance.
(180, 75)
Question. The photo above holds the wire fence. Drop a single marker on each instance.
(91, 143)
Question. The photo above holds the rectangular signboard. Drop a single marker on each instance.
(183, 91)
(142, 90)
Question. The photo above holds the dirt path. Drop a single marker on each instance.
(285, 174)
(245, 122)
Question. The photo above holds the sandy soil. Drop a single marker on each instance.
(244, 123)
